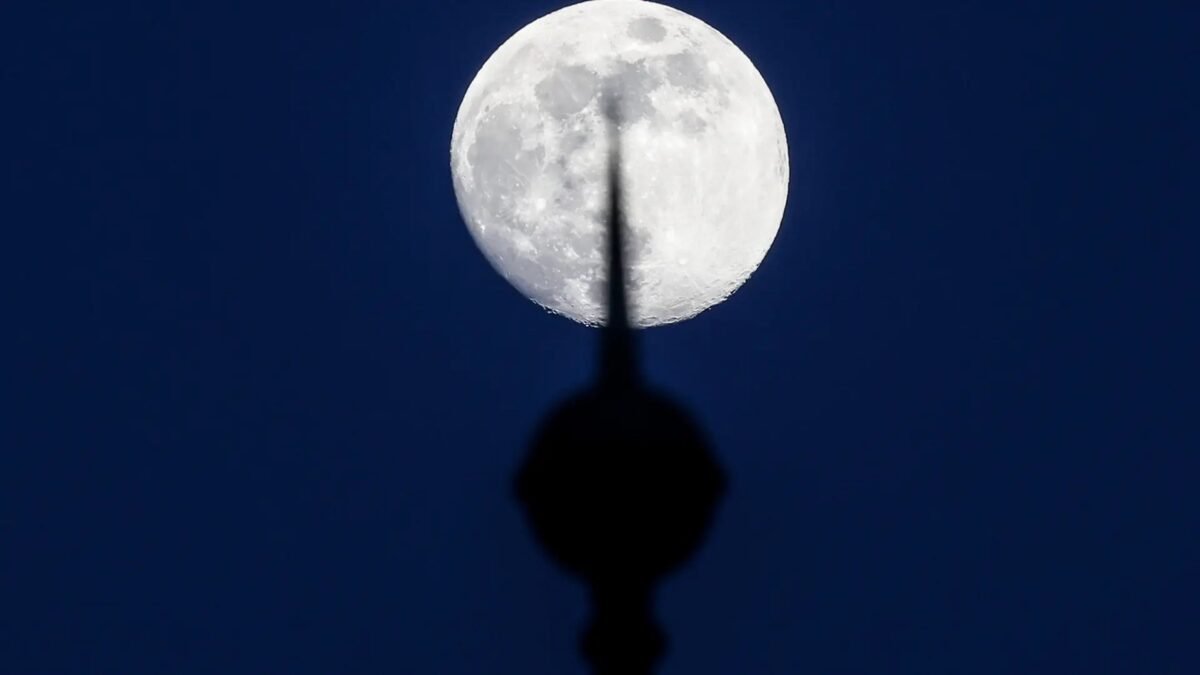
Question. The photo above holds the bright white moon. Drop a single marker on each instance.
(704, 160)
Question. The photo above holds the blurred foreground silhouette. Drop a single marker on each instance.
(620, 485)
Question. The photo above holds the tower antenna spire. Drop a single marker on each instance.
(618, 354)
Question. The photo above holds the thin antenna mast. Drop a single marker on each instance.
(618, 355)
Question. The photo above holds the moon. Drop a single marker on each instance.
(704, 160)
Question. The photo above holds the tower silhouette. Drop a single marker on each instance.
(620, 484)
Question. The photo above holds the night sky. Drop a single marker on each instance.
(265, 397)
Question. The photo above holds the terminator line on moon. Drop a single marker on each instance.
(704, 160)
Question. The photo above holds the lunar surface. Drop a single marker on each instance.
(704, 160)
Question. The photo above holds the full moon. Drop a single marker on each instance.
(704, 160)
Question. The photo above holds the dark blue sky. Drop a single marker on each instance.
(265, 397)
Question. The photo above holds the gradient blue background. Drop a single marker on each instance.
(264, 396)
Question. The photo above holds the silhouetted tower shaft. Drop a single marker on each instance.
(620, 485)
